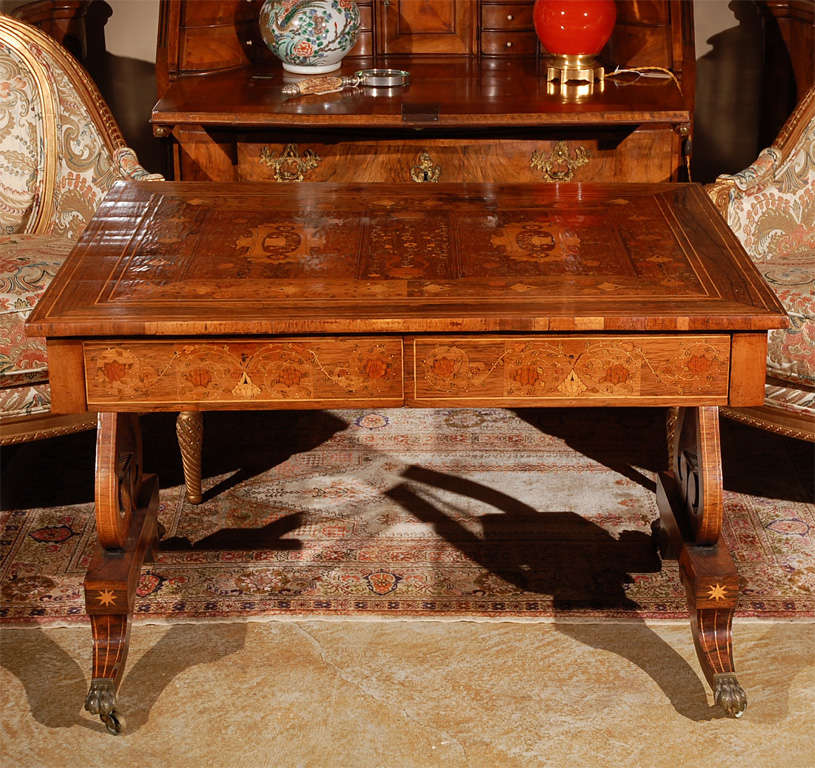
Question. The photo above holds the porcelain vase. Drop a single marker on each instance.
(310, 36)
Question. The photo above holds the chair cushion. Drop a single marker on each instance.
(25, 400)
(798, 401)
(27, 265)
(772, 211)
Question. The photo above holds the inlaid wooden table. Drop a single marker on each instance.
(200, 296)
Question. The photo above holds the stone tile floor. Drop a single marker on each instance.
(410, 693)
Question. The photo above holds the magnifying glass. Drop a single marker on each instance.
(372, 78)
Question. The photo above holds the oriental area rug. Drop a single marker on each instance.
(469, 514)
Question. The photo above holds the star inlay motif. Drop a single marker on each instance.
(716, 592)
(106, 597)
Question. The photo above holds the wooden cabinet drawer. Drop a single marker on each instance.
(509, 43)
(364, 45)
(642, 155)
(281, 373)
(506, 17)
(366, 18)
(569, 370)
(501, 371)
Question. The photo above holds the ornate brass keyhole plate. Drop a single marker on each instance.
(559, 165)
(289, 165)
(425, 171)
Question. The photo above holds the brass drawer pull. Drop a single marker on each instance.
(559, 165)
(425, 172)
(289, 165)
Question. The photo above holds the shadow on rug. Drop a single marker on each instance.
(406, 513)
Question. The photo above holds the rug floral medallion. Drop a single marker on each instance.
(423, 513)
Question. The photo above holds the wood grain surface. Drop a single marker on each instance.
(200, 259)
(648, 154)
(467, 92)
(570, 370)
(271, 373)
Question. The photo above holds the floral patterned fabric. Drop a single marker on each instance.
(798, 400)
(772, 210)
(25, 400)
(28, 263)
(21, 148)
(85, 170)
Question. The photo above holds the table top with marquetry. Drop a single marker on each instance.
(209, 259)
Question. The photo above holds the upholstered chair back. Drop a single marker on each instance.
(771, 208)
(60, 148)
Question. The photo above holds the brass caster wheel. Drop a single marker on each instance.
(112, 723)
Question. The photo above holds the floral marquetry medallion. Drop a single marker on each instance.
(299, 372)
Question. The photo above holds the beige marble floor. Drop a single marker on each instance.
(410, 694)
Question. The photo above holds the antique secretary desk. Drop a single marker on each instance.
(477, 109)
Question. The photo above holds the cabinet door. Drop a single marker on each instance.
(426, 26)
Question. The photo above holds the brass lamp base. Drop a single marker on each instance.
(574, 67)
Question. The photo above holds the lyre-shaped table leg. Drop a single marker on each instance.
(126, 507)
(690, 505)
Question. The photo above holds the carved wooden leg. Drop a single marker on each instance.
(189, 427)
(690, 505)
(126, 507)
(671, 425)
(111, 635)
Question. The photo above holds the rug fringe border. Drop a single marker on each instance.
(83, 621)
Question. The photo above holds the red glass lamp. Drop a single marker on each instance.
(573, 32)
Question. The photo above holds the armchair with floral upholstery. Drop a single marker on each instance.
(771, 208)
(60, 151)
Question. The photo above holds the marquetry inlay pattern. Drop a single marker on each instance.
(336, 259)
(244, 372)
(569, 367)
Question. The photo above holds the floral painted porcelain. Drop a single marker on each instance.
(310, 36)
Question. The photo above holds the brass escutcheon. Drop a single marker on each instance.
(559, 165)
(289, 165)
(425, 172)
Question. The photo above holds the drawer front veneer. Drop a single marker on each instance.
(643, 155)
(277, 373)
(506, 17)
(569, 370)
(495, 43)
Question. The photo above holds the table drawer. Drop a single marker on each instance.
(495, 43)
(642, 155)
(273, 373)
(506, 17)
(569, 370)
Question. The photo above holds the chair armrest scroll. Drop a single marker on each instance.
(126, 167)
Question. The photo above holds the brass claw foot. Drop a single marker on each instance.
(101, 700)
(729, 695)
